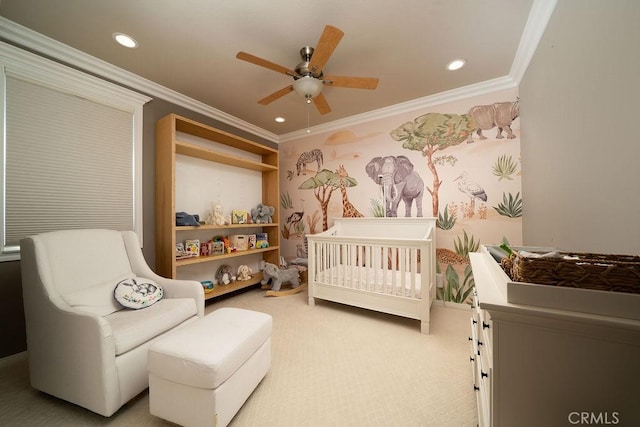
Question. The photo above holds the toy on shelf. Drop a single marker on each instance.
(239, 217)
(262, 214)
(192, 247)
(244, 272)
(216, 216)
(205, 248)
(217, 248)
(227, 248)
(224, 275)
(184, 219)
(207, 285)
(239, 242)
(181, 253)
(262, 241)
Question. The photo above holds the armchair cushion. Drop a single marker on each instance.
(137, 292)
(97, 299)
(131, 328)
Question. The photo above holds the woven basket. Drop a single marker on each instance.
(618, 273)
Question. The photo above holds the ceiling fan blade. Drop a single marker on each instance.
(321, 104)
(266, 64)
(276, 95)
(351, 82)
(329, 39)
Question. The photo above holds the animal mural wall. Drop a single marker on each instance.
(458, 162)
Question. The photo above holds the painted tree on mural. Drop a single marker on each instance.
(323, 184)
(431, 133)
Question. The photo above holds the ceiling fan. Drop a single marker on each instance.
(308, 76)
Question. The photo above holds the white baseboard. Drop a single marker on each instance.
(457, 306)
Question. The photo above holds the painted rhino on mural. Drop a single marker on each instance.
(500, 114)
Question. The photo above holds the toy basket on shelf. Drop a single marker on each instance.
(617, 273)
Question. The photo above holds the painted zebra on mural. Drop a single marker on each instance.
(307, 157)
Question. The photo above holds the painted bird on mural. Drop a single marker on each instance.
(470, 188)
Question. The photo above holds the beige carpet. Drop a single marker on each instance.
(332, 365)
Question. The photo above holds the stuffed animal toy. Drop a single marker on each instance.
(216, 216)
(244, 272)
(278, 276)
(224, 275)
(262, 214)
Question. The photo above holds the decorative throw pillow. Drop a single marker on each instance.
(138, 292)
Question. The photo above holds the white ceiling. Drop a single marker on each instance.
(189, 46)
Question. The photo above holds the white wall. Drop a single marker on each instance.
(579, 102)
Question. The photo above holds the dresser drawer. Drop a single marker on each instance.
(484, 325)
(485, 377)
(474, 336)
(485, 328)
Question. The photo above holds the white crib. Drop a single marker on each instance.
(381, 264)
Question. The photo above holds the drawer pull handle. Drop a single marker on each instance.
(474, 321)
(483, 374)
(480, 342)
(472, 359)
(476, 388)
(470, 339)
(485, 325)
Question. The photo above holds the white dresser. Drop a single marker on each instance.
(540, 366)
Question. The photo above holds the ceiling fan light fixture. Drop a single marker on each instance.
(307, 87)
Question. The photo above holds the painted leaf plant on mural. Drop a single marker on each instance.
(472, 176)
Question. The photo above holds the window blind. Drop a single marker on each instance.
(69, 162)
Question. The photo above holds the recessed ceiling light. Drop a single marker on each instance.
(456, 64)
(125, 40)
(280, 119)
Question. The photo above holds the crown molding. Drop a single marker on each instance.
(41, 70)
(464, 92)
(60, 52)
(539, 17)
(537, 21)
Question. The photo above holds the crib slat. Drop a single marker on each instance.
(414, 269)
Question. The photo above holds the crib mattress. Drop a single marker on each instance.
(388, 282)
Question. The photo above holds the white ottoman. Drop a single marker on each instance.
(201, 374)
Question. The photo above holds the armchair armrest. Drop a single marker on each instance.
(182, 289)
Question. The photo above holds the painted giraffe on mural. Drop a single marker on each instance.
(348, 210)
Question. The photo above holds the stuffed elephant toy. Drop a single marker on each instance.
(278, 276)
(399, 181)
(262, 214)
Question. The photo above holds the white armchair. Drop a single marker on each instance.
(82, 345)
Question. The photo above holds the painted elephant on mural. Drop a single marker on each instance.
(500, 114)
(399, 181)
